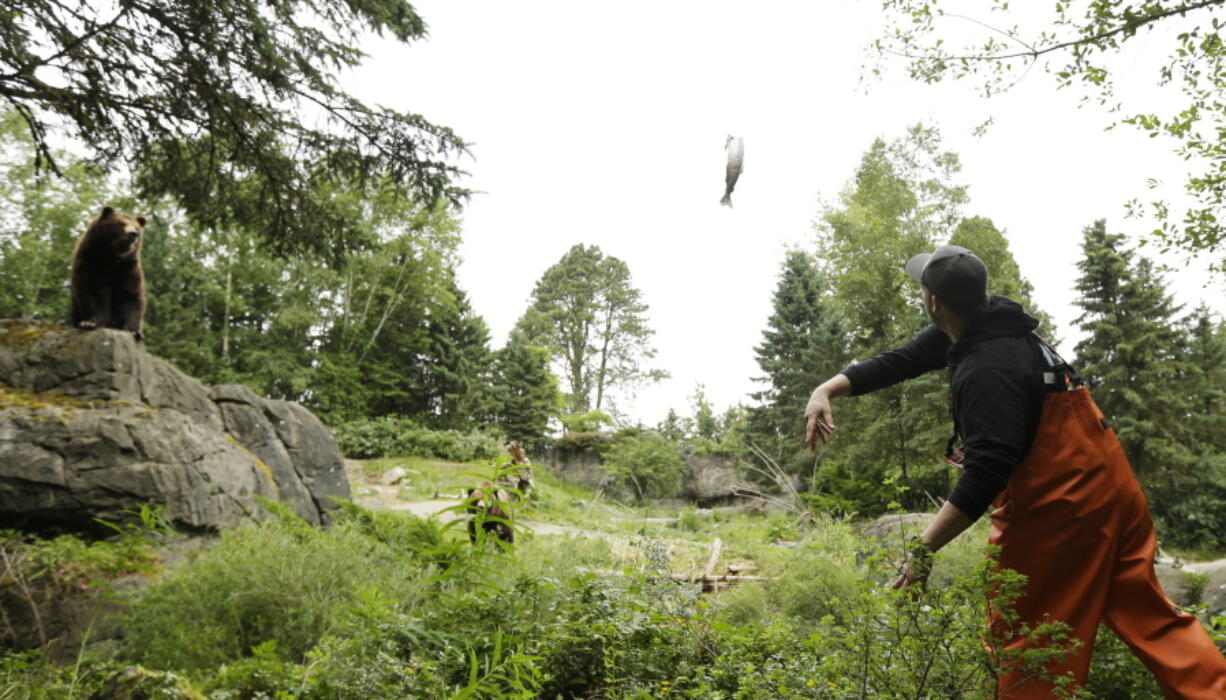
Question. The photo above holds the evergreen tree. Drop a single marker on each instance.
(674, 427)
(803, 344)
(1196, 504)
(1138, 362)
(1133, 354)
(525, 391)
(706, 424)
(461, 366)
(206, 98)
(42, 220)
(1206, 380)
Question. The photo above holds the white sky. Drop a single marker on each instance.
(605, 124)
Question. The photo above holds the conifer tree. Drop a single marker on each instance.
(803, 344)
(1132, 355)
(462, 366)
(1138, 362)
(1206, 379)
(525, 392)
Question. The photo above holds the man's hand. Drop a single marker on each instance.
(820, 418)
(915, 571)
(917, 567)
(818, 415)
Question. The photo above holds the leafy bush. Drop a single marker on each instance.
(44, 579)
(589, 422)
(281, 581)
(649, 463)
(396, 436)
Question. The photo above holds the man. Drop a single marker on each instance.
(1067, 511)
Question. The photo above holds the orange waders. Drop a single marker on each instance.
(1074, 520)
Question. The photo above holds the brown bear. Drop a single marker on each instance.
(492, 507)
(108, 285)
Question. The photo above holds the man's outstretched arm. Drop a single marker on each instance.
(924, 353)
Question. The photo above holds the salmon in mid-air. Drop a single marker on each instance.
(734, 148)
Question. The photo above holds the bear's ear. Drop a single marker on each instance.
(107, 211)
(140, 220)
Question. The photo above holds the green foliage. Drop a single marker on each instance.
(386, 331)
(41, 575)
(1137, 359)
(397, 435)
(592, 320)
(462, 367)
(588, 422)
(649, 463)
(1115, 674)
(1083, 44)
(1004, 276)
(804, 344)
(206, 100)
(901, 198)
(281, 580)
(43, 220)
(384, 606)
(526, 393)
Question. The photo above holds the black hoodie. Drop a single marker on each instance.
(996, 386)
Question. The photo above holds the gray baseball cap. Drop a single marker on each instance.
(954, 275)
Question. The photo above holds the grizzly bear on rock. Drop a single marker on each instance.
(108, 285)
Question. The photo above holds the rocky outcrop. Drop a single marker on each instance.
(896, 529)
(713, 479)
(1213, 585)
(585, 468)
(709, 479)
(91, 425)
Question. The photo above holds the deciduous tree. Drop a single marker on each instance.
(592, 319)
(1079, 45)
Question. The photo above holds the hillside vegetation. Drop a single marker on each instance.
(386, 604)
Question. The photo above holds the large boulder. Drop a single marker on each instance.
(91, 425)
(1213, 592)
(714, 478)
(1181, 586)
(897, 529)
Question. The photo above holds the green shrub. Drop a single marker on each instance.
(1117, 674)
(650, 464)
(41, 579)
(690, 521)
(589, 422)
(280, 581)
(396, 436)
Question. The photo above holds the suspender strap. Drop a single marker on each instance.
(1058, 375)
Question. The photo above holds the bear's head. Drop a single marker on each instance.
(120, 233)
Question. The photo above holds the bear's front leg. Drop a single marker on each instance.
(95, 310)
(131, 315)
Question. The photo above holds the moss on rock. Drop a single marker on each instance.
(21, 334)
(12, 397)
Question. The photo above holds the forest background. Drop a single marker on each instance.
(386, 345)
(319, 246)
